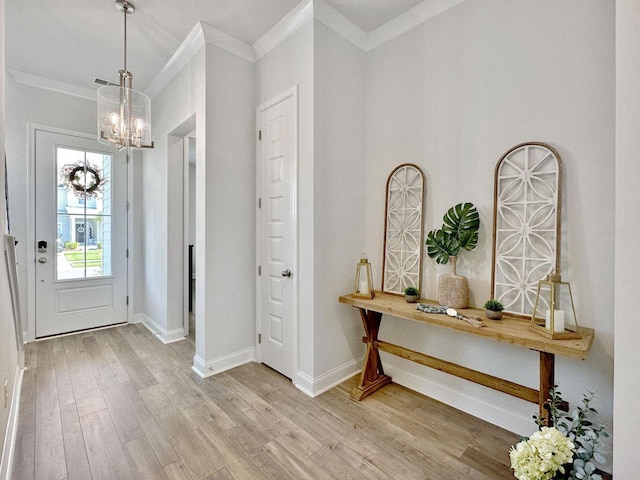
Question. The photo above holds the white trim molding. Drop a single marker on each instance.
(207, 368)
(520, 424)
(284, 28)
(334, 20)
(213, 36)
(185, 52)
(53, 85)
(314, 386)
(408, 20)
(165, 336)
(307, 10)
(203, 33)
(12, 426)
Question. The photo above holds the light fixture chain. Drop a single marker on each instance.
(124, 12)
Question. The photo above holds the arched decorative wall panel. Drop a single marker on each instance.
(526, 224)
(403, 233)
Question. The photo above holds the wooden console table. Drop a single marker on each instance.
(508, 330)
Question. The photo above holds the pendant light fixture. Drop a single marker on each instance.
(124, 114)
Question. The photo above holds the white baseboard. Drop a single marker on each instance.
(206, 368)
(520, 424)
(161, 334)
(137, 318)
(318, 385)
(12, 427)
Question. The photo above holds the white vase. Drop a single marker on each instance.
(453, 289)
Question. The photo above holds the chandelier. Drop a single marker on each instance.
(124, 114)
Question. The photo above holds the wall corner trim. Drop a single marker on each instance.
(314, 386)
(165, 336)
(207, 368)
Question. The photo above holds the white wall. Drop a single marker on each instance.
(452, 95)
(226, 188)
(162, 198)
(10, 361)
(216, 91)
(627, 255)
(339, 199)
(289, 64)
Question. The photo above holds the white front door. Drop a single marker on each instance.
(81, 234)
(277, 237)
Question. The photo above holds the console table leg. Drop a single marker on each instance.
(372, 376)
(547, 381)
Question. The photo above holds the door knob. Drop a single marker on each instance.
(286, 273)
(42, 260)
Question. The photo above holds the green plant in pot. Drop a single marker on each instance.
(459, 232)
(493, 309)
(411, 294)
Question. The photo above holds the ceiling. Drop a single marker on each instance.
(73, 41)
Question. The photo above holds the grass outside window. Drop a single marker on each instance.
(77, 259)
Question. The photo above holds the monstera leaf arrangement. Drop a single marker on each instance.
(459, 232)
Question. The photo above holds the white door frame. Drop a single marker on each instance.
(291, 92)
(186, 194)
(31, 223)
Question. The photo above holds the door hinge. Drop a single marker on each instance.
(127, 205)
(259, 203)
(259, 135)
(127, 299)
(259, 338)
(259, 270)
(127, 253)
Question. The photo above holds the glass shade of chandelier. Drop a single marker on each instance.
(124, 114)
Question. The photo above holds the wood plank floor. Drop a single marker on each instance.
(118, 404)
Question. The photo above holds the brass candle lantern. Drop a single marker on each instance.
(363, 286)
(554, 315)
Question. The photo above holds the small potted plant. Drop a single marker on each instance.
(494, 309)
(411, 294)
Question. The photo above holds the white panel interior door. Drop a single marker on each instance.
(81, 234)
(278, 281)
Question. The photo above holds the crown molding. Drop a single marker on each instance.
(307, 10)
(408, 20)
(213, 36)
(52, 85)
(203, 33)
(284, 28)
(331, 18)
(185, 52)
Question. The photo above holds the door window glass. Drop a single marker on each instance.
(83, 214)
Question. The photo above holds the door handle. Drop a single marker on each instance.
(42, 260)
(286, 273)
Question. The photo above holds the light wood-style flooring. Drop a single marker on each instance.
(118, 404)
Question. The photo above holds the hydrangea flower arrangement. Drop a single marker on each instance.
(566, 451)
(542, 455)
